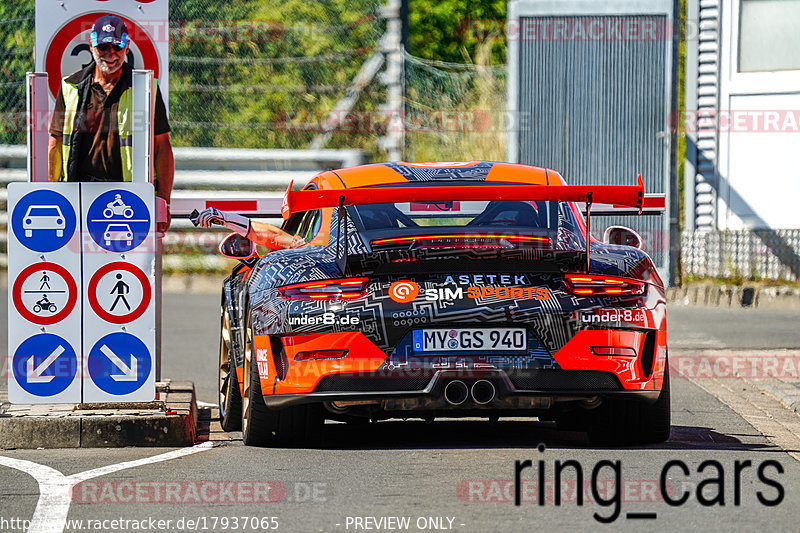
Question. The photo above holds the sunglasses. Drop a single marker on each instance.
(105, 47)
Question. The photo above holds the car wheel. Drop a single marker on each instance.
(28, 233)
(230, 398)
(297, 426)
(621, 422)
(59, 233)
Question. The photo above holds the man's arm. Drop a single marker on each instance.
(273, 237)
(164, 166)
(259, 232)
(53, 158)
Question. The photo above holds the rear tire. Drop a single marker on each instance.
(623, 422)
(230, 397)
(297, 426)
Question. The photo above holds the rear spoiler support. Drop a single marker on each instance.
(341, 259)
(588, 228)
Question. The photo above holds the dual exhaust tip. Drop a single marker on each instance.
(457, 392)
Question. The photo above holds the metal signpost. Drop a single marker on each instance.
(118, 297)
(44, 310)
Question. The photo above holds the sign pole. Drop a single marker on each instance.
(143, 161)
(37, 123)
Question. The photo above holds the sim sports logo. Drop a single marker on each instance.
(405, 291)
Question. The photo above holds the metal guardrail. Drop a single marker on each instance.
(209, 173)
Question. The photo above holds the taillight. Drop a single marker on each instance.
(315, 355)
(463, 240)
(591, 285)
(327, 289)
(613, 350)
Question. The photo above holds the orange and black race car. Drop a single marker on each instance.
(446, 290)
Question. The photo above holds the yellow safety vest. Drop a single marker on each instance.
(124, 126)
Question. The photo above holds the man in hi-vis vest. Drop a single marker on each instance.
(92, 126)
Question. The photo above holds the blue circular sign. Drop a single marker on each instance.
(118, 220)
(43, 221)
(45, 364)
(119, 363)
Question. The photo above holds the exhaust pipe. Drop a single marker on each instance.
(456, 392)
(483, 392)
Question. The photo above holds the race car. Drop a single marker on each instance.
(446, 290)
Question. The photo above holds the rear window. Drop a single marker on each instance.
(496, 223)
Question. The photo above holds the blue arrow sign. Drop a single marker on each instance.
(43, 221)
(119, 363)
(45, 364)
(118, 220)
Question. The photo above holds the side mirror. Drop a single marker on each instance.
(234, 246)
(623, 236)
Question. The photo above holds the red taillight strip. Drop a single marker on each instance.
(523, 238)
(329, 289)
(589, 285)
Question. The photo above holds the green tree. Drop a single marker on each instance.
(450, 30)
(16, 58)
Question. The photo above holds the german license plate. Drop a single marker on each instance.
(470, 340)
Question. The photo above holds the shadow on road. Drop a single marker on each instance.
(461, 434)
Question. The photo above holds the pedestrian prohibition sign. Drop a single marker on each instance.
(119, 292)
(45, 365)
(119, 363)
(44, 293)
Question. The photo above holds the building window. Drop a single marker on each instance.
(769, 35)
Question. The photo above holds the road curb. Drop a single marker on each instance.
(746, 295)
(170, 421)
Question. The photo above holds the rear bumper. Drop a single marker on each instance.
(523, 390)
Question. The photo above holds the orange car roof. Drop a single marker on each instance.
(402, 172)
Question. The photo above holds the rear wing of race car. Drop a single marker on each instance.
(610, 199)
(623, 196)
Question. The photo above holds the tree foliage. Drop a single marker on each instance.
(450, 30)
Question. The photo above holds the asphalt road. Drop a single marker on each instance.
(447, 475)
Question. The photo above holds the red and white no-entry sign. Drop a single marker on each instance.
(44, 293)
(119, 292)
(62, 36)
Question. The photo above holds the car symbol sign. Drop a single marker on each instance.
(43, 221)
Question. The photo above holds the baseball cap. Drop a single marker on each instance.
(109, 29)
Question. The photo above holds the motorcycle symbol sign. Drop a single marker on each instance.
(44, 293)
(118, 220)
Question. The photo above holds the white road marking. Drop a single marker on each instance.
(206, 405)
(50, 515)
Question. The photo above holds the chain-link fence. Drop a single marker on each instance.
(269, 74)
(455, 112)
(16, 58)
